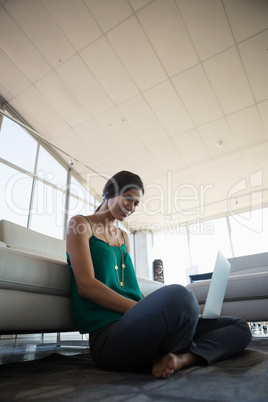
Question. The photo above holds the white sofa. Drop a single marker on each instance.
(34, 282)
(247, 289)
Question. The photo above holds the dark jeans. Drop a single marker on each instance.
(166, 321)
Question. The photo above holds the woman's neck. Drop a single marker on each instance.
(105, 218)
(106, 230)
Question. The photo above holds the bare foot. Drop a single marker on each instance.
(171, 362)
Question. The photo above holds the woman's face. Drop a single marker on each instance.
(125, 204)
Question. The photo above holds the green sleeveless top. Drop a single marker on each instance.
(89, 316)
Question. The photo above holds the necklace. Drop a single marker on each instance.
(121, 283)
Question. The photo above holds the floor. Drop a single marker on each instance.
(30, 347)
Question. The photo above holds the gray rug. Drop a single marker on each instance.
(76, 378)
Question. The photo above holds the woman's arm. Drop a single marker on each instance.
(77, 242)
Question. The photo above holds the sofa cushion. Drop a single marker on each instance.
(21, 238)
(249, 271)
(250, 261)
(32, 273)
(34, 313)
(240, 287)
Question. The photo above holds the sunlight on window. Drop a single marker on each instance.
(77, 189)
(16, 145)
(172, 249)
(47, 215)
(78, 207)
(15, 193)
(250, 232)
(206, 238)
(49, 169)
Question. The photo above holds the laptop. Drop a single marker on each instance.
(217, 288)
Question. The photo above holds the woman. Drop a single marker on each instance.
(127, 330)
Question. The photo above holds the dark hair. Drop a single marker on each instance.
(120, 183)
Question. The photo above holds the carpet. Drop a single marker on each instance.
(76, 378)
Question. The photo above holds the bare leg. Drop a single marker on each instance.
(171, 362)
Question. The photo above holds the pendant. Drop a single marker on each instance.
(116, 267)
(123, 266)
(121, 284)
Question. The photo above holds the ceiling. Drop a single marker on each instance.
(174, 90)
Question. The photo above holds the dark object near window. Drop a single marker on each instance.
(200, 277)
(158, 271)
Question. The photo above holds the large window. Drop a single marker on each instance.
(78, 207)
(206, 238)
(48, 208)
(241, 234)
(34, 184)
(249, 231)
(17, 146)
(172, 248)
(49, 169)
(15, 194)
(81, 202)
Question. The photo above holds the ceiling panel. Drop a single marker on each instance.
(119, 164)
(255, 164)
(109, 71)
(197, 95)
(227, 76)
(203, 17)
(168, 35)
(135, 51)
(80, 34)
(20, 49)
(6, 95)
(63, 100)
(143, 121)
(109, 13)
(218, 139)
(117, 127)
(23, 110)
(15, 80)
(136, 4)
(254, 56)
(167, 156)
(191, 147)
(38, 25)
(84, 86)
(236, 171)
(263, 109)
(243, 124)
(40, 110)
(247, 17)
(98, 142)
(169, 109)
(78, 149)
(145, 165)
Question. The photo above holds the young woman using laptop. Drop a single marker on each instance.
(128, 331)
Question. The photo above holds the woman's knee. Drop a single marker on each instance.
(180, 297)
(245, 332)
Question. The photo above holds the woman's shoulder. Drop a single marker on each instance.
(80, 224)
